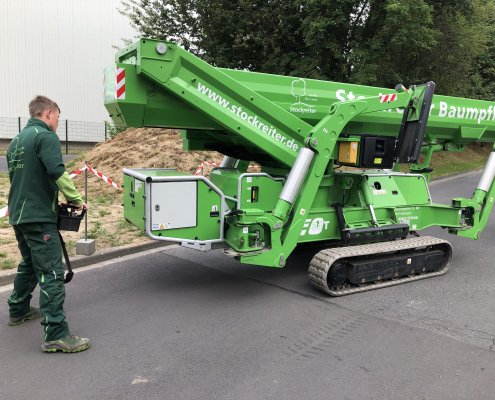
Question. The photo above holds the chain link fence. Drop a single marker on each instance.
(73, 135)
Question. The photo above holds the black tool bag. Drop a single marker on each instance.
(69, 219)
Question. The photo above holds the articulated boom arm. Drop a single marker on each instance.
(307, 173)
(254, 124)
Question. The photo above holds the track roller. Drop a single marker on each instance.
(347, 270)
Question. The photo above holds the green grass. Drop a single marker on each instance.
(124, 225)
(114, 239)
(104, 199)
(4, 188)
(97, 231)
(4, 223)
(70, 245)
(3, 254)
(458, 167)
(102, 213)
(75, 163)
(7, 263)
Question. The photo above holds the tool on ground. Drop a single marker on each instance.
(69, 219)
(332, 159)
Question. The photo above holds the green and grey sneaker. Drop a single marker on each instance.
(33, 313)
(68, 344)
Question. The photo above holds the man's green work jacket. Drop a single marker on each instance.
(35, 163)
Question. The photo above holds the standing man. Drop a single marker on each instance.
(37, 173)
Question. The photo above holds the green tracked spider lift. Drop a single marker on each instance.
(300, 131)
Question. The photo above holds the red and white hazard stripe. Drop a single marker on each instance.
(75, 173)
(103, 177)
(386, 98)
(98, 174)
(120, 83)
(205, 164)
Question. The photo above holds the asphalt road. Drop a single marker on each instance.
(179, 324)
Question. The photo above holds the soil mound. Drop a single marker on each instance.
(146, 148)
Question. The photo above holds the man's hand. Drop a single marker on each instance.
(82, 206)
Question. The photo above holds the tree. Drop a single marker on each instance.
(464, 33)
(258, 35)
(393, 43)
(482, 82)
(375, 42)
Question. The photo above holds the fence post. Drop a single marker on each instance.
(19, 123)
(86, 201)
(66, 136)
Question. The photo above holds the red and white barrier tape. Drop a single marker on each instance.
(205, 164)
(5, 211)
(75, 173)
(103, 177)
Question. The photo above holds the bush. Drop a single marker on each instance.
(113, 130)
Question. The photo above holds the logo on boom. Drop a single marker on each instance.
(315, 226)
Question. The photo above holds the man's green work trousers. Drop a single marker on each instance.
(41, 263)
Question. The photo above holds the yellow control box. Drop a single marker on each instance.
(348, 153)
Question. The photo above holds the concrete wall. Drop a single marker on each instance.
(58, 48)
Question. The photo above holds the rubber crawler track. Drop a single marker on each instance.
(322, 261)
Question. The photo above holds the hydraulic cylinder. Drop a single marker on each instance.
(486, 179)
(294, 182)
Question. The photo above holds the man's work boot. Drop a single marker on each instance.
(68, 344)
(33, 313)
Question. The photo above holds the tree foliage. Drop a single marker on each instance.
(374, 42)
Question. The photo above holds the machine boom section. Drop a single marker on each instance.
(246, 102)
(453, 119)
(251, 120)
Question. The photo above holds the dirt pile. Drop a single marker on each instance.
(146, 148)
